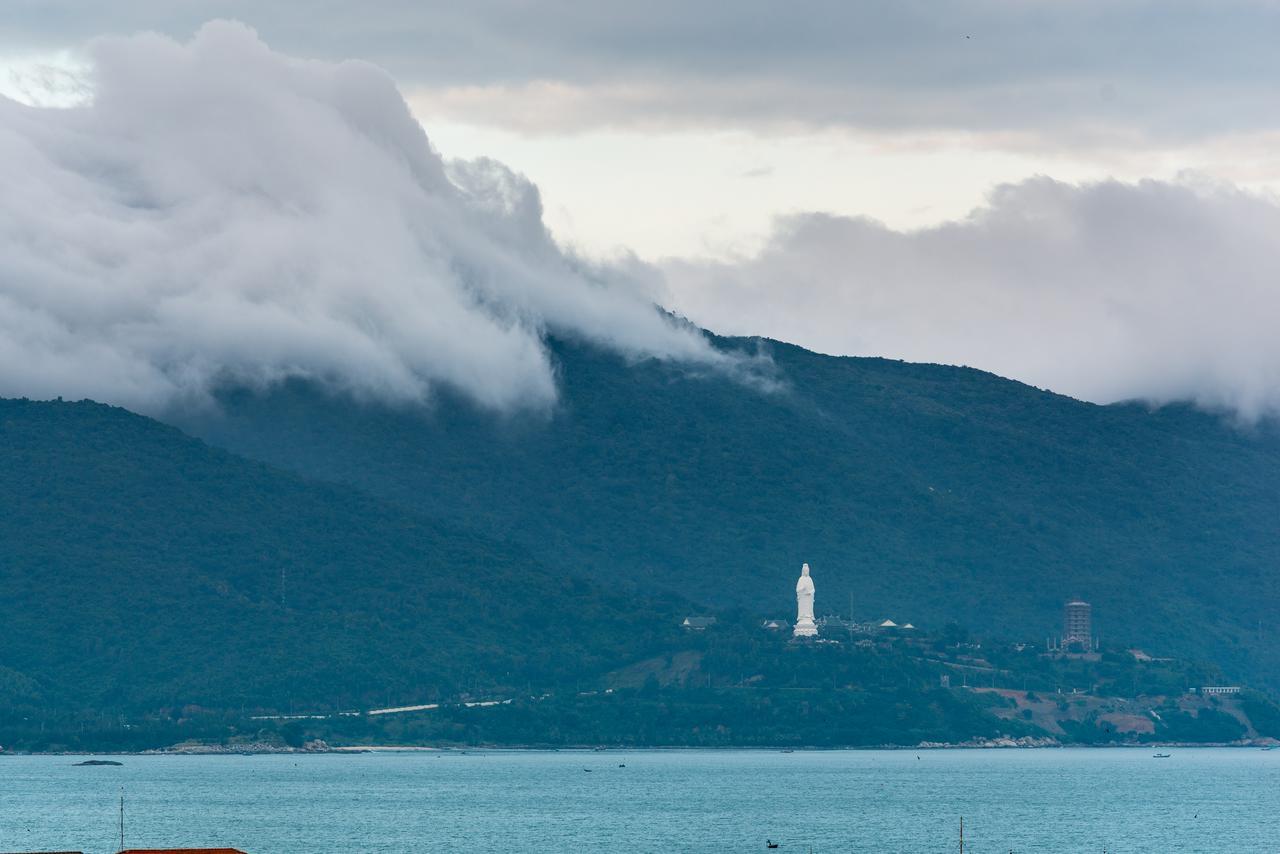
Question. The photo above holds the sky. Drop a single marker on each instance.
(1080, 195)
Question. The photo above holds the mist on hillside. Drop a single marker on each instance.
(220, 213)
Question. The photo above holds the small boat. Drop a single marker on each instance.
(1161, 755)
(769, 843)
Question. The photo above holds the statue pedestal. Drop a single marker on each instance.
(805, 629)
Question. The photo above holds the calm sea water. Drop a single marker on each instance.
(1019, 800)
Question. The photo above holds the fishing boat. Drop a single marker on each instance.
(1161, 755)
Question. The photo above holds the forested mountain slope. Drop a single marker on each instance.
(929, 493)
(140, 568)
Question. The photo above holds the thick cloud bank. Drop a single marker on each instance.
(1107, 291)
(220, 213)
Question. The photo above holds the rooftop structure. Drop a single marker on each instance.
(698, 624)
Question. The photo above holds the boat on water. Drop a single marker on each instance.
(1161, 755)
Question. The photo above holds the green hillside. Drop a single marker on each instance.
(142, 569)
(928, 493)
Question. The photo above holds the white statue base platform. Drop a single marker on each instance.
(805, 629)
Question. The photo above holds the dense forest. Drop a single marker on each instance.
(924, 492)
(322, 554)
(140, 569)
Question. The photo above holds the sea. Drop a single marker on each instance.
(1020, 800)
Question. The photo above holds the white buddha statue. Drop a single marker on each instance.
(804, 606)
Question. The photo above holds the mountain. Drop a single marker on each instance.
(142, 569)
(921, 492)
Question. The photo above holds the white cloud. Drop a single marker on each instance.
(1106, 291)
(49, 80)
(221, 213)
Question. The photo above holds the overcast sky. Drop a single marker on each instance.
(743, 150)
(709, 119)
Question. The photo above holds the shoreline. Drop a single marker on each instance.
(352, 750)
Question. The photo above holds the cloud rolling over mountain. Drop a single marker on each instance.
(221, 213)
(1157, 291)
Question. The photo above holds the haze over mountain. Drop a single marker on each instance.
(1162, 290)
